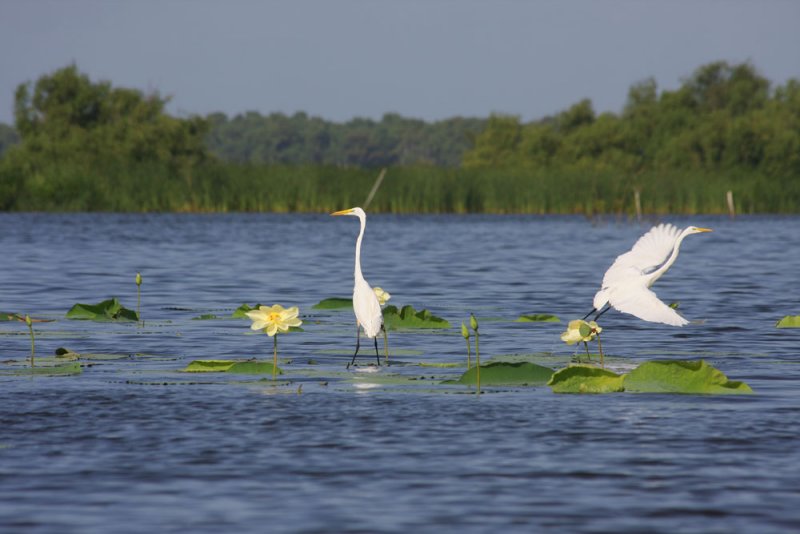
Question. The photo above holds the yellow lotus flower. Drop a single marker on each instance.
(579, 330)
(274, 319)
(383, 296)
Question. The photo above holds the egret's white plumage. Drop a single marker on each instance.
(365, 303)
(626, 284)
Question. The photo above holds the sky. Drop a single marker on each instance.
(427, 59)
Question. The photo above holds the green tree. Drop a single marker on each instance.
(80, 140)
(8, 137)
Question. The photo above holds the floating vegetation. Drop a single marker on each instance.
(408, 317)
(506, 374)
(333, 303)
(250, 367)
(107, 310)
(442, 365)
(205, 317)
(663, 376)
(61, 369)
(790, 321)
(657, 376)
(585, 379)
(241, 311)
(538, 318)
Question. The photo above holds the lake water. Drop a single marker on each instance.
(132, 444)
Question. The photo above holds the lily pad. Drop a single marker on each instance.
(538, 318)
(790, 321)
(107, 310)
(333, 303)
(231, 366)
(241, 311)
(205, 317)
(73, 368)
(670, 376)
(408, 317)
(586, 379)
(507, 374)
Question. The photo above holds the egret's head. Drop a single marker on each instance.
(697, 230)
(355, 212)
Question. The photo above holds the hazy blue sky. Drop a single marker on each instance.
(430, 59)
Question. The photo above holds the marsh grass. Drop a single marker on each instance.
(223, 187)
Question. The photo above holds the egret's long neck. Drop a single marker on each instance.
(655, 275)
(357, 273)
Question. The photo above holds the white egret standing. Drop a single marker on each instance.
(626, 284)
(365, 303)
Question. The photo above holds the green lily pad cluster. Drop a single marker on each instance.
(658, 376)
(506, 374)
(107, 310)
(408, 317)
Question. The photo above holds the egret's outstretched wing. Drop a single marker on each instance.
(645, 305)
(650, 251)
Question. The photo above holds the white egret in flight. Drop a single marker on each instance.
(626, 284)
(365, 303)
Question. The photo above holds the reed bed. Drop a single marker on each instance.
(222, 187)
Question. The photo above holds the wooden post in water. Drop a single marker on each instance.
(637, 199)
(731, 209)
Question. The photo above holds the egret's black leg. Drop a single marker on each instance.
(608, 307)
(377, 356)
(358, 345)
(588, 314)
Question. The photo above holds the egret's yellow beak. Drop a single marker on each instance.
(343, 212)
(705, 230)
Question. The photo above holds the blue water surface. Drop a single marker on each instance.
(133, 445)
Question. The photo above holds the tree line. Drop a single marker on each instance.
(83, 145)
(722, 118)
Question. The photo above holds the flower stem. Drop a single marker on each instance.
(386, 345)
(478, 362)
(275, 357)
(469, 355)
(600, 347)
(138, 280)
(33, 344)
